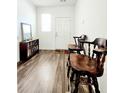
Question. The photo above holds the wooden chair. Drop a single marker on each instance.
(75, 48)
(91, 64)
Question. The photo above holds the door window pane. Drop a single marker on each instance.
(45, 22)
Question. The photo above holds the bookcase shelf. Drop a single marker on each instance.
(28, 49)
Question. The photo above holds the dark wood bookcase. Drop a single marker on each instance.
(28, 49)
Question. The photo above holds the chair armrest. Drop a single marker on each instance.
(83, 41)
(76, 36)
(73, 50)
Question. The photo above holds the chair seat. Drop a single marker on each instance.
(73, 47)
(83, 63)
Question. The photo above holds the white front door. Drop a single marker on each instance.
(63, 32)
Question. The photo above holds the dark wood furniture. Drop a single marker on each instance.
(28, 49)
(90, 65)
(75, 48)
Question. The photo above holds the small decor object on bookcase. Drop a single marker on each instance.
(28, 49)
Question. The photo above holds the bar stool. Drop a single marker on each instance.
(75, 48)
(91, 64)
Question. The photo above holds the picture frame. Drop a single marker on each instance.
(26, 32)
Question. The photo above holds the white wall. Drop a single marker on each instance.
(26, 13)
(91, 18)
(47, 39)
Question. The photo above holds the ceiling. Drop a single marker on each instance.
(53, 2)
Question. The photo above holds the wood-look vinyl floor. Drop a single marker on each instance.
(44, 73)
